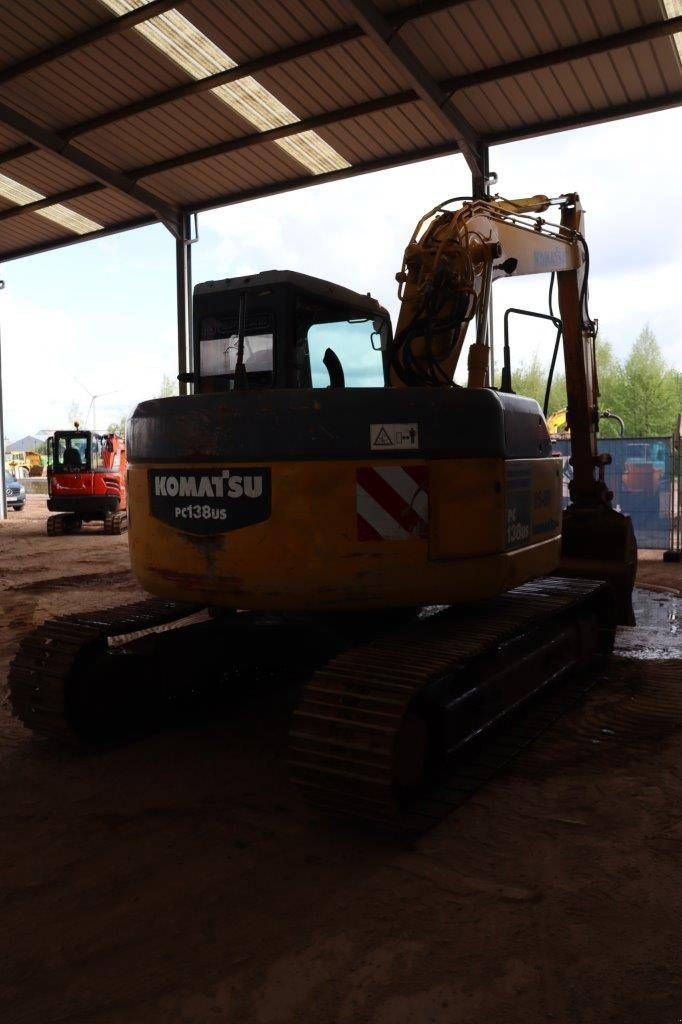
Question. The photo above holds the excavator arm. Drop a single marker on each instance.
(448, 269)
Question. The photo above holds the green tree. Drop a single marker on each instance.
(608, 376)
(169, 387)
(530, 379)
(607, 371)
(118, 427)
(557, 394)
(646, 389)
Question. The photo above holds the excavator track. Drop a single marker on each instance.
(100, 676)
(63, 522)
(378, 726)
(115, 523)
(384, 714)
(53, 679)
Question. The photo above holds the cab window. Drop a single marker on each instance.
(357, 343)
(97, 449)
(219, 345)
(71, 452)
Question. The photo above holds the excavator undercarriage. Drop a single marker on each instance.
(387, 706)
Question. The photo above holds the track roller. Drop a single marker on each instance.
(115, 523)
(64, 522)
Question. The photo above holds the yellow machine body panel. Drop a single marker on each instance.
(343, 535)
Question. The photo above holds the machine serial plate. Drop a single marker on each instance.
(212, 500)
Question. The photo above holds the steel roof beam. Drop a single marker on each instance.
(42, 204)
(71, 239)
(155, 7)
(251, 67)
(259, 138)
(294, 184)
(420, 10)
(344, 35)
(382, 33)
(273, 134)
(221, 149)
(201, 85)
(92, 35)
(45, 139)
(648, 106)
(16, 152)
(288, 185)
(591, 48)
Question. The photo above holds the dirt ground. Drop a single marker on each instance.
(181, 879)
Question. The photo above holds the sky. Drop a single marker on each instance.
(99, 317)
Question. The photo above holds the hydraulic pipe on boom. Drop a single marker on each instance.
(447, 274)
(448, 268)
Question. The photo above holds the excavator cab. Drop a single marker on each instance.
(73, 451)
(297, 332)
(69, 451)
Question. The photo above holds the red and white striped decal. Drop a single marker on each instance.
(392, 502)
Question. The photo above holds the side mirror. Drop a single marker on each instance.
(380, 335)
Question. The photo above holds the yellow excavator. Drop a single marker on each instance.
(23, 464)
(333, 476)
(557, 423)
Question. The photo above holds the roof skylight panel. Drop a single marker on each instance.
(200, 57)
(22, 196)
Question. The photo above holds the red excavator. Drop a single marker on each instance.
(86, 481)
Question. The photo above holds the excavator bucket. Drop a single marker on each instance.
(600, 543)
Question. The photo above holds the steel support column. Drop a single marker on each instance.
(480, 189)
(183, 278)
(480, 180)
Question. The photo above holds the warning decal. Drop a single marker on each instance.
(392, 503)
(393, 436)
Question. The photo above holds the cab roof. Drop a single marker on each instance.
(316, 287)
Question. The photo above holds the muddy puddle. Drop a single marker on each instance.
(657, 635)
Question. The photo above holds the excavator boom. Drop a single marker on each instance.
(448, 269)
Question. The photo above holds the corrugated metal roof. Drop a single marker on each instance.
(119, 112)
